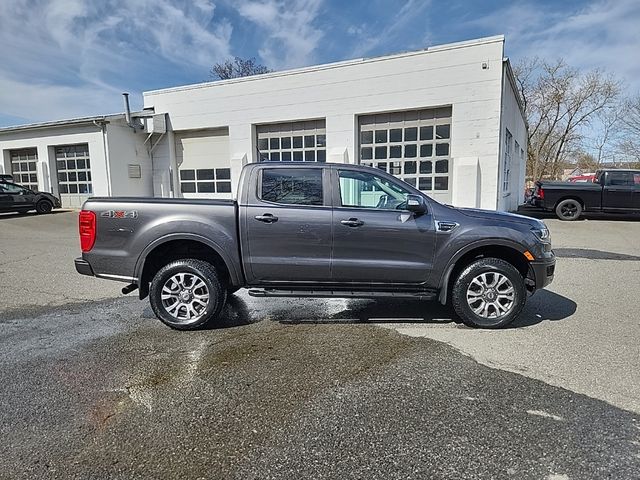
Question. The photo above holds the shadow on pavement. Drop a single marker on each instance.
(544, 305)
(381, 311)
(593, 254)
(32, 213)
(615, 217)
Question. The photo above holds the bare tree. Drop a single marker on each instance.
(238, 67)
(606, 131)
(630, 141)
(560, 103)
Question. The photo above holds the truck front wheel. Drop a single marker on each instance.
(489, 293)
(569, 209)
(186, 294)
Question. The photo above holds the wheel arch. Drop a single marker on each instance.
(569, 196)
(182, 245)
(501, 248)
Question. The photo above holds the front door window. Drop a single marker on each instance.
(365, 190)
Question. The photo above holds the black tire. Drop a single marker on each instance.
(493, 268)
(44, 206)
(189, 268)
(569, 209)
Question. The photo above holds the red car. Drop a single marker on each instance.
(582, 179)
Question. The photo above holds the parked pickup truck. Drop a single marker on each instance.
(315, 230)
(612, 191)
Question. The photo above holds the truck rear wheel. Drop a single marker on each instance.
(186, 294)
(569, 209)
(489, 293)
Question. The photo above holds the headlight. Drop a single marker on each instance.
(542, 233)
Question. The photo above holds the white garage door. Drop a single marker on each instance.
(414, 146)
(204, 163)
(73, 168)
(24, 167)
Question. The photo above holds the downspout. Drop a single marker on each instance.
(105, 149)
(173, 164)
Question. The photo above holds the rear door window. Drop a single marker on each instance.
(620, 179)
(292, 186)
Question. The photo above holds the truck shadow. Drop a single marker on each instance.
(238, 312)
(614, 217)
(32, 213)
(543, 306)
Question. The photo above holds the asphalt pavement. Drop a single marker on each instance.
(92, 386)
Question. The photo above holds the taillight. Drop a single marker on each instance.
(87, 225)
(541, 193)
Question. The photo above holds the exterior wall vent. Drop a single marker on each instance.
(134, 171)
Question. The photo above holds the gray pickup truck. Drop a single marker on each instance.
(315, 230)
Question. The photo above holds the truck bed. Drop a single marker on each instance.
(129, 228)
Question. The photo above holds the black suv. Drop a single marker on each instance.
(16, 198)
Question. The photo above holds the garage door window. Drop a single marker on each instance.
(297, 141)
(205, 180)
(24, 165)
(413, 146)
(74, 169)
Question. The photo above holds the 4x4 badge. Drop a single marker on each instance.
(120, 214)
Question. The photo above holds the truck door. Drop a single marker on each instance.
(636, 190)
(618, 190)
(6, 199)
(375, 240)
(286, 226)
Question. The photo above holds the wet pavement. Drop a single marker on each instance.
(103, 390)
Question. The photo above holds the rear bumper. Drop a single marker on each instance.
(83, 267)
(538, 203)
(543, 271)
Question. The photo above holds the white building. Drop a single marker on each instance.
(447, 119)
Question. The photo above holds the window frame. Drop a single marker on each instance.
(507, 160)
(324, 180)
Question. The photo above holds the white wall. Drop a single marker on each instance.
(126, 147)
(513, 120)
(447, 75)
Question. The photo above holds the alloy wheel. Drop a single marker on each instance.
(491, 295)
(185, 297)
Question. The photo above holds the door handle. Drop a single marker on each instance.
(266, 218)
(352, 222)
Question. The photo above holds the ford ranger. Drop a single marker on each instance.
(315, 230)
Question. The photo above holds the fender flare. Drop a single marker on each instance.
(139, 268)
(451, 264)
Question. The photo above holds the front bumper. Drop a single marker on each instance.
(543, 271)
(83, 267)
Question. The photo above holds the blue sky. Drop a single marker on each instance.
(68, 58)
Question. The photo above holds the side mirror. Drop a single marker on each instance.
(416, 204)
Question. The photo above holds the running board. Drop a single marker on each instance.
(421, 295)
